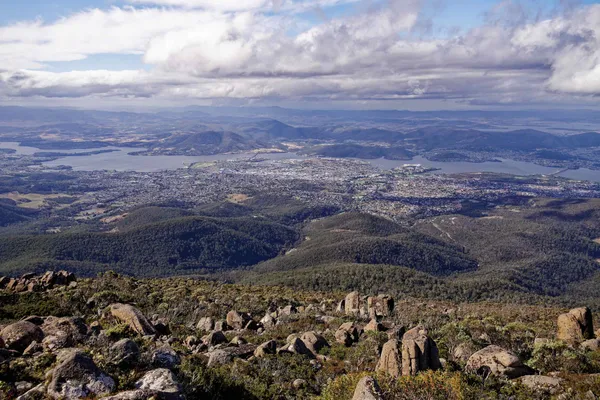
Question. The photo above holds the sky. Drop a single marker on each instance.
(353, 54)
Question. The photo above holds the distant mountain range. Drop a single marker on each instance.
(363, 134)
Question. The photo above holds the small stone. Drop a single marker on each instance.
(206, 324)
(299, 383)
(373, 326)
(214, 338)
(266, 348)
(165, 357)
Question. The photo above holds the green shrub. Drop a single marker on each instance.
(558, 356)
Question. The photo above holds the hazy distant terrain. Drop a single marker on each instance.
(540, 137)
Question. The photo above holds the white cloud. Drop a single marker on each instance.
(195, 50)
(291, 6)
(113, 31)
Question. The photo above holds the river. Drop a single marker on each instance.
(121, 160)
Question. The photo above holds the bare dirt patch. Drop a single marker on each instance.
(237, 198)
(115, 218)
(31, 200)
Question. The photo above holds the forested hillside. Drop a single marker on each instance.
(539, 249)
(169, 247)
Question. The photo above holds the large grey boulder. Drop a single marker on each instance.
(419, 352)
(77, 377)
(21, 334)
(497, 361)
(367, 389)
(166, 357)
(380, 306)
(162, 382)
(133, 317)
(228, 354)
(575, 326)
(390, 360)
(124, 352)
(314, 342)
(542, 384)
(206, 324)
(266, 348)
(352, 303)
(237, 320)
(214, 338)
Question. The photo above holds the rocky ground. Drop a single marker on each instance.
(116, 337)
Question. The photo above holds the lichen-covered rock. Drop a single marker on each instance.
(497, 361)
(124, 352)
(380, 306)
(19, 335)
(237, 320)
(542, 384)
(165, 357)
(268, 321)
(373, 326)
(238, 341)
(222, 326)
(33, 348)
(314, 342)
(591, 344)
(137, 394)
(367, 389)
(206, 324)
(297, 346)
(35, 393)
(74, 326)
(462, 352)
(76, 377)
(396, 332)
(266, 348)
(191, 341)
(390, 360)
(575, 326)
(352, 303)
(419, 352)
(288, 310)
(214, 338)
(343, 337)
(59, 340)
(352, 330)
(227, 354)
(162, 382)
(133, 317)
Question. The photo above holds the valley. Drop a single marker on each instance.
(262, 260)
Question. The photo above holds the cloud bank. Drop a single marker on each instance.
(266, 49)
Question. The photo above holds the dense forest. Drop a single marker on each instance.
(168, 247)
(519, 249)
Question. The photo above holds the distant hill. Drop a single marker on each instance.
(10, 213)
(365, 239)
(168, 247)
(273, 129)
(206, 143)
(360, 151)
(522, 251)
(519, 140)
